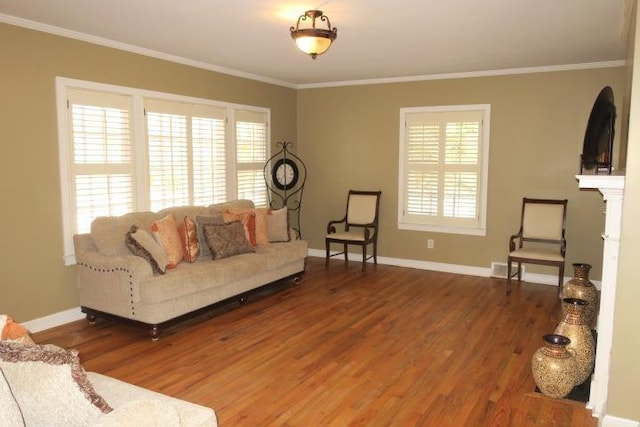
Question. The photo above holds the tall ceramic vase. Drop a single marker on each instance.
(554, 367)
(581, 287)
(573, 326)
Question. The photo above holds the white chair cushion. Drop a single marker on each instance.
(357, 234)
(539, 254)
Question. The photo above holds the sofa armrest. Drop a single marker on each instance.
(111, 283)
(141, 413)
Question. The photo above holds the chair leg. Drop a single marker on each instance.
(508, 276)
(326, 260)
(364, 257)
(560, 280)
(346, 256)
(375, 253)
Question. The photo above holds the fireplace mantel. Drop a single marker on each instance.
(612, 188)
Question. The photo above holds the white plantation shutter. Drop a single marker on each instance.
(443, 168)
(101, 164)
(186, 152)
(251, 155)
(168, 154)
(208, 127)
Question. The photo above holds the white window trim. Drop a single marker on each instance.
(482, 212)
(138, 126)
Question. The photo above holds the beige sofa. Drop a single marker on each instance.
(45, 385)
(136, 406)
(112, 281)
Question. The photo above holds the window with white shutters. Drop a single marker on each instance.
(124, 149)
(251, 153)
(186, 153)
(100, 161)
(443, 168)
(209, 156)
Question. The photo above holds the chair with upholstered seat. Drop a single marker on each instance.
(360, 226)
(541, 238)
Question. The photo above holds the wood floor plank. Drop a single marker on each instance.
(391, 346)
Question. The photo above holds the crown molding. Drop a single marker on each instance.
(468, 75)
(37, 26)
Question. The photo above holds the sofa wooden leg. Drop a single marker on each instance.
(242, 299)
(91, 318)
(154, 331)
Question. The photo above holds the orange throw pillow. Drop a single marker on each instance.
(165, 231)
(248, 220)
(262, 237)
(189, 239)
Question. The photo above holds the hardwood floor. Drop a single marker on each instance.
(389, 347)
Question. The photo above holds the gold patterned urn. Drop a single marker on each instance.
(573, 326)
(554, 367)
(582, 288)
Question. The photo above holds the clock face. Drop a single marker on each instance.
(284, 174)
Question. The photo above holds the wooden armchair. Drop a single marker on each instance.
(360, 226)
(541, 238)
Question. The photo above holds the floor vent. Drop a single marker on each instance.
(499, 269)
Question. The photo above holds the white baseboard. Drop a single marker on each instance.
(53, 320)
(57, 319)
(611, 421)
(542, 279)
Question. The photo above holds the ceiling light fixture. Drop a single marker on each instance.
(311, 40)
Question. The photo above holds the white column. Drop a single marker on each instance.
(612, 188)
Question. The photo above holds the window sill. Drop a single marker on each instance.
(442, 229)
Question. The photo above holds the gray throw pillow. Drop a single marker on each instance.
(201, 221)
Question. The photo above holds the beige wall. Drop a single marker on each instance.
(33, 279)
(348, 137)
(624, 382)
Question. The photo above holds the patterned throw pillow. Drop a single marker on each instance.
(189, 239)
(142, 244)
(248, 220)
(278, 225)
(261, 222)
(165, 230)
(50, 386)
(226, 240)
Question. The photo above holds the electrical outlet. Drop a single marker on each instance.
(430, 244)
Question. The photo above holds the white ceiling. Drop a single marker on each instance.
(377, 39)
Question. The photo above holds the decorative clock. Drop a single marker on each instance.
(285, 175)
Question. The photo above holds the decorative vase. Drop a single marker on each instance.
(573, 326)
(554, 367)
(581, 287)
